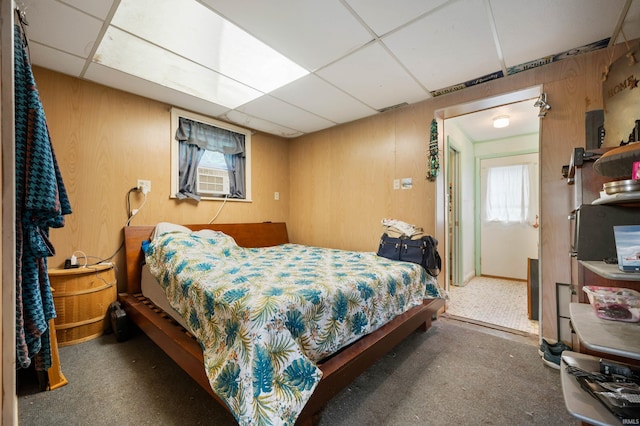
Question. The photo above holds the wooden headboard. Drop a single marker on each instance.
(250, 235)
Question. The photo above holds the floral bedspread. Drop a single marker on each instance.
(264, 317)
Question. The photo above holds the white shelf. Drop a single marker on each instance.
(622, 197)
(606, 336)
(579, 403)
(610, 271)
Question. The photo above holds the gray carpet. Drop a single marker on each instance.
(453, 374)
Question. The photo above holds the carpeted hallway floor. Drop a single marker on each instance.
(454, 374)
(496, 301)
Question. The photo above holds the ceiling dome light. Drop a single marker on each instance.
(501, 121)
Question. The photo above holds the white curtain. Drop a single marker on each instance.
(509, 194)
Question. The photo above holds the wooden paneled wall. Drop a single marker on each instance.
(342, 178)
(105, 140)
(335, 185)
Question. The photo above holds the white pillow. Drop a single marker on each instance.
(164, 227)
(221, 239)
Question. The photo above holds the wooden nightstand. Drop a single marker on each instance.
(82, 297)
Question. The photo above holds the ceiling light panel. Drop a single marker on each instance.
(193, 31)
(383, 16)
(546, 31)
(372, 76)
(311, 33)
(135, 56)
(450, 46)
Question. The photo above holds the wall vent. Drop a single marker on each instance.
(389, 108)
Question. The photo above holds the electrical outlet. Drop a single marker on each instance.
(396, 184)
(144, 186)
(276, 196)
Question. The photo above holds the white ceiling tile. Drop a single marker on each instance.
(374, 77)
(551, 26)
(132, 84)
(55, 60)
(315, 95)
(246, 120)
(424, 45)
(98, 8)
(450, 46)
(383, 16)
(311, 33)
(631, 25)
(50, 23)
(277, 111)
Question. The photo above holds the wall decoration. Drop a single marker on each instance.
(433, 166)
(523, 67)
(621, 96)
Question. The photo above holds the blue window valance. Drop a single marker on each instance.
(210, 137)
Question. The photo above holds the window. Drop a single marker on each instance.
(508, 194)
(209, 159)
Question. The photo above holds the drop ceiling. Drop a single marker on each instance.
(359, 56)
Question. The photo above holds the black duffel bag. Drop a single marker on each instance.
(423, 251)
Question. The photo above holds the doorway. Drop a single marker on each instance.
(468, 139)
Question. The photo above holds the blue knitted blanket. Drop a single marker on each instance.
(41, 203)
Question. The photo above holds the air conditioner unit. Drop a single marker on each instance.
(212, 181)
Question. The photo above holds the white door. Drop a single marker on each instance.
(506, 246)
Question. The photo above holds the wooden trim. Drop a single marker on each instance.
(9, 402)
(54, 374)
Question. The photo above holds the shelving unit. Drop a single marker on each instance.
(579, 403)
(609, 271)
(623, 197)
(620, 339)
(597, 338)
(608, 337)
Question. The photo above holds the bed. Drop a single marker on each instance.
(336, 368)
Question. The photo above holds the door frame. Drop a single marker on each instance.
(455, 240)
(9, 404)
(440, 116)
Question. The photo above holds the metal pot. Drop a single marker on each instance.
(619, 186)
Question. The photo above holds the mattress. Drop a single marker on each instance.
(152, 290)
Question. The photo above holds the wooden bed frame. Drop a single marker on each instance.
(338, 370)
